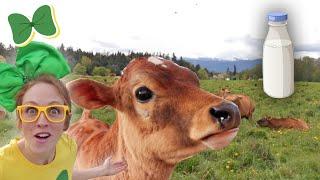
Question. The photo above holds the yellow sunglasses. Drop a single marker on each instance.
(54, 113)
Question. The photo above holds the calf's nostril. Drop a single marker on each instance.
(221, 115)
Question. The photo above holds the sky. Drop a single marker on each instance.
(228, 29)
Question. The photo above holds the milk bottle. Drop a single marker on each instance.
(278, 63)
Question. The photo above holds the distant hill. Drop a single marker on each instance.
(221, 65)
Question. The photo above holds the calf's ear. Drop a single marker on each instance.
(90, 94)
(237, 99)
(234, 98)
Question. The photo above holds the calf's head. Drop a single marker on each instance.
(161, 111)
(224, 92)
(264, 122)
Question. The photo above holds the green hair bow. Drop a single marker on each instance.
(32, 60)
(43, 21)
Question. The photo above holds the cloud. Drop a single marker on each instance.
(307, 47)
(107, 45)
(252, 48)
(239, 54)
(254, 43)
(111, 47)
(243, 47)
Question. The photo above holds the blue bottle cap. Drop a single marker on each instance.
(277, 16)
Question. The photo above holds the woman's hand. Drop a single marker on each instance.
(109, 168)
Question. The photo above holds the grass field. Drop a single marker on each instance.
(256, 153)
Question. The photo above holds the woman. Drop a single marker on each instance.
(43, 109)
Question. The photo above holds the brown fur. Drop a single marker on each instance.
(244, 103)
(90, 127)
(288, 123)
(152, 136)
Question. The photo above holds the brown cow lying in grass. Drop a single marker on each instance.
(163, 117)
(277, 123)
(245, 104)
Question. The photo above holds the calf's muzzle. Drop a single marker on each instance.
(226, 114)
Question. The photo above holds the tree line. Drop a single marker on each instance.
(103, 64)
(305, 69)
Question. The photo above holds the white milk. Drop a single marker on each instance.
(278, 63)
(278, 76)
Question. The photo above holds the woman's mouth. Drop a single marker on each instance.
(42, 137)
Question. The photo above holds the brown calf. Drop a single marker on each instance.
(245, 104)
(163, 117)
(277, 123)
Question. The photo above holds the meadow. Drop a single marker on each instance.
(256, 153)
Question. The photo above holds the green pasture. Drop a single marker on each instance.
(256, 153)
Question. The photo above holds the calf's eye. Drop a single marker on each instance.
(143, 94)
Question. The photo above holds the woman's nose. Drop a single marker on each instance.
(42, 121)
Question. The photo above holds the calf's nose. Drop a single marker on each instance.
(226, 114)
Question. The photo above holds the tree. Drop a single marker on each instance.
(202, 74)
(197, 67)
(80, 69)
(101, 71)
(2, 49)
(234, 70)
(228, 71)
(10, 54)
(62, 48)
(87, 63)
(254, 73)
(85, 60)
(174, 58)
